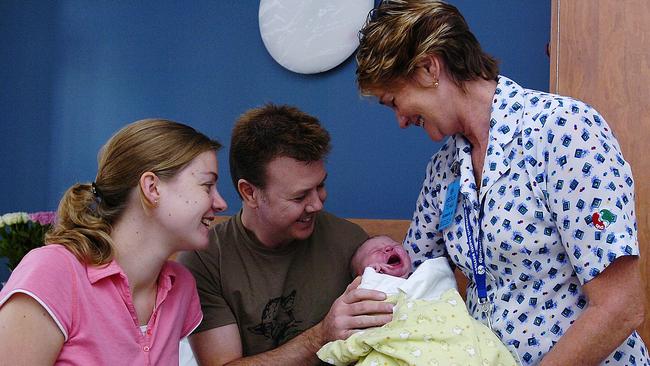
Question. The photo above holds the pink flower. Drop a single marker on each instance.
(43, 217)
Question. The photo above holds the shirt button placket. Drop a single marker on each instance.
(147, 354)
(146, 344)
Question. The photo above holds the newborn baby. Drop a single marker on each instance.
(430, 326)
(386, 265)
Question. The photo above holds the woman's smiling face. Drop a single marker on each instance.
(189, 201)
(425, 99)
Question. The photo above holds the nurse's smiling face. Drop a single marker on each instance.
(425, 99)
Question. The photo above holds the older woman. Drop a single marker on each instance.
(529, 196)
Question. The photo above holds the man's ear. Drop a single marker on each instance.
(149, 189)
(249, 193)
(428, 70)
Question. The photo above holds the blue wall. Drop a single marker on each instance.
(75, 71)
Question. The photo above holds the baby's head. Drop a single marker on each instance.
(383, 254)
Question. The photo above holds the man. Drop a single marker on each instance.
(271, 285)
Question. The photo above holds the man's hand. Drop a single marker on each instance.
(355, 310)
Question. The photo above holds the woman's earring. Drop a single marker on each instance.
(155, 202)
(436, 83)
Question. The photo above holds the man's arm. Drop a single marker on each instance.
(221, 346)
(354, 310)
(217, 346)
(615, 310)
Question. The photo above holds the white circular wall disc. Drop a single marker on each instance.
(311, 36)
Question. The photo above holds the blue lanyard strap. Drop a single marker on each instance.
(476, 256)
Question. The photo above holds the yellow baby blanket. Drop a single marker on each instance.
(422, 332)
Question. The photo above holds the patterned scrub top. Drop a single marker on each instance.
(556, 207)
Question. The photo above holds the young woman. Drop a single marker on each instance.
(102, 291)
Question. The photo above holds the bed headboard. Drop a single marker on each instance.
(396, 229)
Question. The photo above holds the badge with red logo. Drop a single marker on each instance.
(603, 219)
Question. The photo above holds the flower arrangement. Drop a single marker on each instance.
(21, 232)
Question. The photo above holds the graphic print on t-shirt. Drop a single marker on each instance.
(278, 321)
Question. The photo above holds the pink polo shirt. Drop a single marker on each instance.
(92, 307)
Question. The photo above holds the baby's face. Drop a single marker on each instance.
(385, 255)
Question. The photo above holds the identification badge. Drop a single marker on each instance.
(451, 201)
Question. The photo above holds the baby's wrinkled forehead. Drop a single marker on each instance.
(380, 242)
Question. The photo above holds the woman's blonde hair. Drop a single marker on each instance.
(87, 211)
(399, 34)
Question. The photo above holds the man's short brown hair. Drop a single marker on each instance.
(265, 133)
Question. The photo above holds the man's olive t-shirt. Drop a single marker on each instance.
(272, 294)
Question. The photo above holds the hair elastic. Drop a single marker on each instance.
(96, 192)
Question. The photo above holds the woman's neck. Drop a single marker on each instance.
(476, 109)
(139, 250)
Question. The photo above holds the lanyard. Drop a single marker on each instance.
(478, 263)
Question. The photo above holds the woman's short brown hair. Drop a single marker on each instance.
(399, 34)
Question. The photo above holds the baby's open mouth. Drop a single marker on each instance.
(394, 259)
